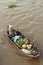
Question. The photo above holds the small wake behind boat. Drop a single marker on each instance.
(21, 42)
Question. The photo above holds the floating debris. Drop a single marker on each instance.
(12, 6)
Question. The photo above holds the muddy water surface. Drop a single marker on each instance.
(27, 17)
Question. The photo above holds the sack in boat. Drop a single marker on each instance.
(25, 50)
(14, 39)
(26, 41)
(20, 42)
(24, 46)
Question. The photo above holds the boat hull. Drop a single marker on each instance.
(19, 48)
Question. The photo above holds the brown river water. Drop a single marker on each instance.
(27, 17)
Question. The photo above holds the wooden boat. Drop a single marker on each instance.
(19, 47)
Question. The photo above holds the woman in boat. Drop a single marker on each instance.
(11, 32)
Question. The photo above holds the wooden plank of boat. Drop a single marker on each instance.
(19, 47)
